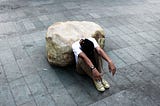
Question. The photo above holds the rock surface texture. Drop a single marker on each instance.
(61, 35)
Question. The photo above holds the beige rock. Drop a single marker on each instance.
(61, 35)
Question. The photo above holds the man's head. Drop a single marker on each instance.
(87, 46)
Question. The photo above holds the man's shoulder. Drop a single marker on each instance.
(92, 39)
(75, 44)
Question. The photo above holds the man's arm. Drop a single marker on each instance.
(95, 72)
(111, 66)
(86, 59)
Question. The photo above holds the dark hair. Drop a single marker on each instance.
(88, 48)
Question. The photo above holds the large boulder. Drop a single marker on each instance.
(61, 35)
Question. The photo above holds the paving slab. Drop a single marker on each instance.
(129, 97)
(20, 91)
(6, 98)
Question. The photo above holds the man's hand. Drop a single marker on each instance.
(96, 74)
(112, 68)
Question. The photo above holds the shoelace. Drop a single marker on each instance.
(99, 82)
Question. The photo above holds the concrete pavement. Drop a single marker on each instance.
(132, 41)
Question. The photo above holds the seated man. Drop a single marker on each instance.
(88, 61)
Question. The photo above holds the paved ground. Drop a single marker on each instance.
(132, 41)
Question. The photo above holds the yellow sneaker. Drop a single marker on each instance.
(105, 84)
(99, 86)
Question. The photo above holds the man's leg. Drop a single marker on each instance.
(83, 68)
(99, 61)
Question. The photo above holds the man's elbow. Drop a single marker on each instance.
(99, 50)
(81, 55)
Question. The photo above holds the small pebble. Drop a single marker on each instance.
(44, 69)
